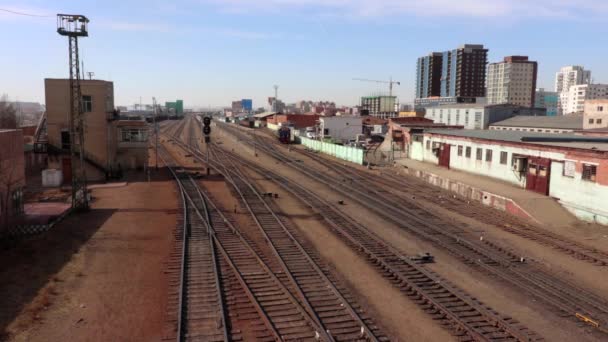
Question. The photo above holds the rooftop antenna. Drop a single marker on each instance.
(91, 74)
(74, 26)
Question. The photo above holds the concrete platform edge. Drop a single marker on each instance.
(468, 191)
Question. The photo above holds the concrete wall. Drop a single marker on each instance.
(351, 154)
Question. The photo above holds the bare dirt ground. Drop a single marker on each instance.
(497, 295)
(97, 276)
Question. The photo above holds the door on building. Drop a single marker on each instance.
(444, 155)
(537, 177)
(66, 169)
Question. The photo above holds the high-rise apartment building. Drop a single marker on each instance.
(548, 100)
(573, 101)
(428, 75)
(453, 76)
(566, 78)
(464, 71)
(571, 75)
(512, 81)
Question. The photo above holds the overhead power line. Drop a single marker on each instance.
(26, 14)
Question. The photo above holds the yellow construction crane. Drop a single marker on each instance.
(390, 83)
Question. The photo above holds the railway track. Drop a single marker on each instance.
(464, 316)
(404, 190)
(494, 260)
(321, 296)
(284, 316)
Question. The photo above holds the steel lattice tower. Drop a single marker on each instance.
(74, 26)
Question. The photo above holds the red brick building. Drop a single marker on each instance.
(12, 175)
(297, 120)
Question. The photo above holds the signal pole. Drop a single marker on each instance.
(207, 132)
(155, 133)
(74, 26)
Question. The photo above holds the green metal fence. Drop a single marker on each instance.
(351, 154)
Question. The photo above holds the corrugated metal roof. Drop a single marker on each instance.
(573, 121)
(263, 115)
(548, 139)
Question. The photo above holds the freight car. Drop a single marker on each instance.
(246, 123)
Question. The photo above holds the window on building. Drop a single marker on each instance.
(65, 140)
(17, 199)
(134, 135)
(326, 131)
(569, 168)
(590, 121)
(589, 172)
(479, 154)
(87, 103)
(504, 156)
(428, 144)
(598, 121)
(460, 150)
(467, 152)
(489, 155)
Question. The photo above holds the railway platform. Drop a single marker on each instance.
(500, 195)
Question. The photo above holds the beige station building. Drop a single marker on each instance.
(595, 114)
(111, 145)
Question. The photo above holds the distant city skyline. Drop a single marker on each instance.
(212, 52)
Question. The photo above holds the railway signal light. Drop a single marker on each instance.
(207, 128)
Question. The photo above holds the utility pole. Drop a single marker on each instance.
(155, 132)
(91, 74)
(74, 26)
(276, 97)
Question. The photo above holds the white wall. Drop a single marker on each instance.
(416, 151)
(342, 127)
(458, 116)
(587, 200)
(492, 169)
(584, 199)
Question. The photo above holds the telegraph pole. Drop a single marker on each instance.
(74, 26)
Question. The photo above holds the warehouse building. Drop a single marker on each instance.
(478, 116)
(541, 124)
(571, 168)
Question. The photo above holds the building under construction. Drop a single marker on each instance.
(380, 106)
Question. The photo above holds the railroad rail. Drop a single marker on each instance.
(283, 317)
(392, 183)
(483, 255)
(464, 316)
(319, 294)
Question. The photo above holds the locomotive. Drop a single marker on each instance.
(284, 135)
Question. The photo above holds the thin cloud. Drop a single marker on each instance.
(444, 8)
(124, 26)
(133, 27)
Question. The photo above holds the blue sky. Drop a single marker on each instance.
(209, 52)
